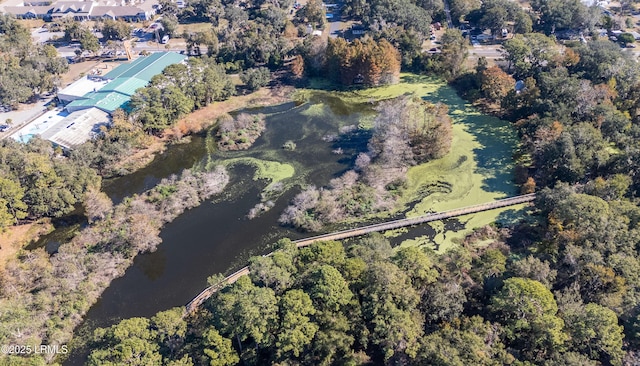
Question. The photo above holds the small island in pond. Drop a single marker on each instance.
(239, 133)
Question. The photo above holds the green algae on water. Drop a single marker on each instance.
(272, 171)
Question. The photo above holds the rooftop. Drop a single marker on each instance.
(81, 87)
(106, 101)
(136, 9)
(126, 79)
(40, 125)
(77, 128)
(146, 67)
(127, 86)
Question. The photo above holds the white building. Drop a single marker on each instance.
(79, 88)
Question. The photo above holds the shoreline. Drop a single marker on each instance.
(200, 120)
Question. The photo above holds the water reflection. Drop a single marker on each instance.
(153, 266)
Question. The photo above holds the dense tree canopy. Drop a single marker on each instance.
(116, 30)
(565, 14)
(26, 70)
(179, 90)
(362, 62)
(411, 15)
(328, 304)
(37, 183)
(256, 78)
(453, 55)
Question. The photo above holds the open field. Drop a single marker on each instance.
(31, 23)
(193, 28)
(78, 70)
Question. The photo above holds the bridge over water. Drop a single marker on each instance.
(350, 233)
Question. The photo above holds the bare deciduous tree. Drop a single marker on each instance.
(97, 205)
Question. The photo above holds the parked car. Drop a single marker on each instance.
(3, 128)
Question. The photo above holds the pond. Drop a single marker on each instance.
(217, 236)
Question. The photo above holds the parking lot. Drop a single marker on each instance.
(14, 120)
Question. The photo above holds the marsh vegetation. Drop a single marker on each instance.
(49, 294)
(240, 132)
(407, 131)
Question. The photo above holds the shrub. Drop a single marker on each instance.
(289, 145)
(625, 38)
(256, 78)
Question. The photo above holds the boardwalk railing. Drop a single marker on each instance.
(350, 233)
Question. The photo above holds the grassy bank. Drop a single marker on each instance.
(14, 238)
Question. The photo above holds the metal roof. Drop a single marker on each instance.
(126, 79)
(80, 88)
(77, 127)
(146, 67)
(127, 86)
(106, 101)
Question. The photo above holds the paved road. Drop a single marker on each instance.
(488, 51)
(447, 12)
(336, 25)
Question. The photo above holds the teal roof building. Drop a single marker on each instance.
(125, 80)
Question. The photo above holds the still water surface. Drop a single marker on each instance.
(217, 237)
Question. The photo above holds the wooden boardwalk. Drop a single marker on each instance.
(350, 233)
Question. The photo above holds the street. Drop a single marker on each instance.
(447, 12)
(492, 52)
(336, 25)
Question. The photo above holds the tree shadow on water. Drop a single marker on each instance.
(512, 216)
(350, 145)
(497, 140)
